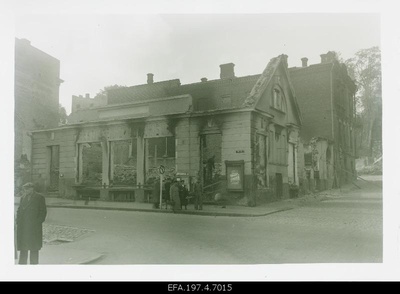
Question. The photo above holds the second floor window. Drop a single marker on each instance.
(277, 99)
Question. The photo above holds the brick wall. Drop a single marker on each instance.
(313, 92)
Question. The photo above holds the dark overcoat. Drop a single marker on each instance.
(174, 194)
(30, 217)
(183, 193)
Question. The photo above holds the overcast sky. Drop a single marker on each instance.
(100, 50)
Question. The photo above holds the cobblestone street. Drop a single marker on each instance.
(55, 234)
(330, 227)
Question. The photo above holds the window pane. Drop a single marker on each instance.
(92, 163)
(124, 163)
(160, 151)
(170, 146)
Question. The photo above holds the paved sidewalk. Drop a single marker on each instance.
(208, 209)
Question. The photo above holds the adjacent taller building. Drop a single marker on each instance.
(325, 94)
(36, 94)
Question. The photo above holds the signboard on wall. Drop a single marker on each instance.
(235, 175)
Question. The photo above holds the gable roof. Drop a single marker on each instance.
(264, 80)
(262, 83)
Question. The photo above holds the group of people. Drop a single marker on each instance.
(177, 194)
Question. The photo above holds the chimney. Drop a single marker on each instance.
(327, 57)
(227, 71)
(331, 56)
(324, 58)
(304, 61)
(150, 78)
(87, 95)
(204, 80)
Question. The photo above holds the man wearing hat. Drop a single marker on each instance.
(31, 214)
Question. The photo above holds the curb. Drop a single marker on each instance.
(202, 213)
(92, 260)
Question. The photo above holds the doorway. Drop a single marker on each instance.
(54, 167)
(279, 185)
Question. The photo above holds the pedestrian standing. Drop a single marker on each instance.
(174, 195)
(183, 194)
(198, 195)
(156, 194)
(31, 214)
(167, 186)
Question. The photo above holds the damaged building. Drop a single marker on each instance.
(238, 135)
(36, 99)
(325, 94)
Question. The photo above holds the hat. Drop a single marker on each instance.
(28, 185)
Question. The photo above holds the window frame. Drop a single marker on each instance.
(275, 98)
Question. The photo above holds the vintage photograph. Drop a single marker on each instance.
(198, 139)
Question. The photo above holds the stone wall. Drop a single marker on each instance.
(65, 139)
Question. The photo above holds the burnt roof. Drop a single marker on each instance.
(209, 92)
(141, 92)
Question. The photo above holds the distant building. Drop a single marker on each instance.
(37, 82)
(239, 135)
(325, 94)
(84, 108)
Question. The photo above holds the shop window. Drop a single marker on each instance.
(123, 162)
(91, 163)
(211, 157)
(160, 151)
(308, 159)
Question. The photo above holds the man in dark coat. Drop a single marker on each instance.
(167, 186)
(174, 195)
(31, 214)
(156, 194)
(183, 194)
(198, 195)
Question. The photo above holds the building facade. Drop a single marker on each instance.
(238, 135)
(325, 94)
(36, 97)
